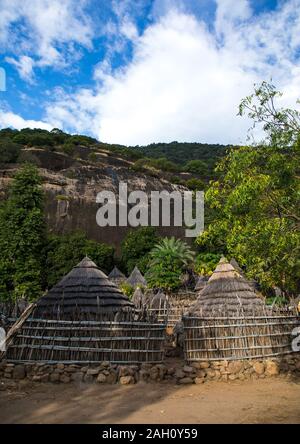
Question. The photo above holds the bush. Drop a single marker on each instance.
(127, 289)
(68, 148)
(196, 167)
(206, 263)
(92, 157)
(195, 184)
(9, 151)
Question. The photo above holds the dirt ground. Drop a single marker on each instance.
(263, 401)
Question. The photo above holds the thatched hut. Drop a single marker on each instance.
(116, 276)
(138, 298)
(84, 293)
(159, 306)
(230, 322)
(226, 291)
(159, 300)
(201, 282)
(136, 278)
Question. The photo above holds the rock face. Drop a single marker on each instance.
(179, 373)
(72, 185)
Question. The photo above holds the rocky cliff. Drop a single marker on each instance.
(71, 185)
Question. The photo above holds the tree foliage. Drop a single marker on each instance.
(63, 252)
(136, 246)
(169, 259)
(206, 263)
(22, 237)
(256, 200)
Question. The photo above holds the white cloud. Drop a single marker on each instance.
(184, 83)
(24, 66)
(43, 32)
(11, 120)
(231, 14)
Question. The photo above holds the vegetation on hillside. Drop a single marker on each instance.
(170, 160)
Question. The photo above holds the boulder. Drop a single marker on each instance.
(235, 367)
(272, 368)
(19, 372)
(101, 378)
(77, 377)
(125, 380)
(204, 364)
(186, 380)
(199, 380)
(112, 377)
(179, 373)
(65, 379)
(105, 364)
(259, 368)
(54, 377)
(92, 371)
(188, 369)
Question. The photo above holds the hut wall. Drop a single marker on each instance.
(260, 335)
(58, 341)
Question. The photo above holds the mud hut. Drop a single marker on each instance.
(84, 293)
(226, 291)
(116, 276)
(136, 278)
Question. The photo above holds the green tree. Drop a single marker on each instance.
(63, 252)
(195, 184)
(169, 259)
(206, 263)
(256, 200)
(22, 237)
(136, 246)
(9, 151)
(196, 167)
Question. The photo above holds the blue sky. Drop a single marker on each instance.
(136, 72)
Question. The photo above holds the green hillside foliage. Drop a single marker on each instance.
(199, 160)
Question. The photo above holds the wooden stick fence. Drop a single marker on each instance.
(239, 336)
(171, 311)
(53, 341)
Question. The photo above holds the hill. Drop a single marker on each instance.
(178, 161)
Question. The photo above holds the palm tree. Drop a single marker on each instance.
(168, 260)
(172, 248)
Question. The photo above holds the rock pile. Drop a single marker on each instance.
(178, 372)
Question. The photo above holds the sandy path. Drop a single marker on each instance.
(263, 401)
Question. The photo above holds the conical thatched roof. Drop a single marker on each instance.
(201, 282)
(136, 278)
(138, 298)
(159, 301)
(116, 274)
(84, 292)
(226, 291)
